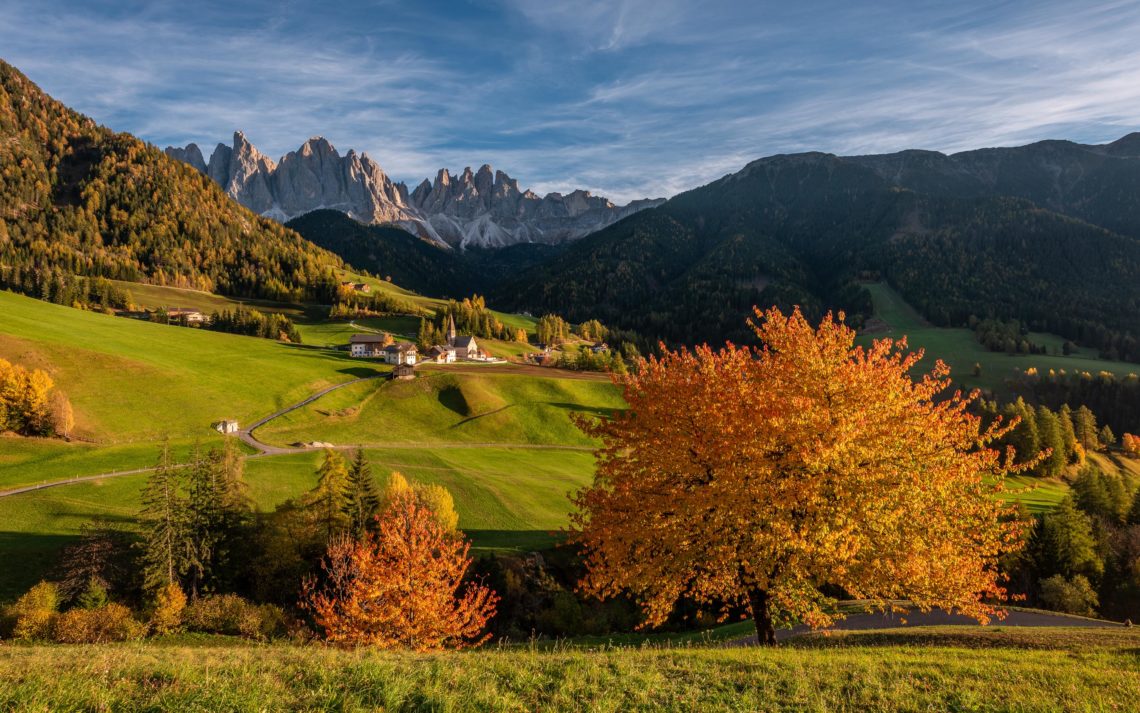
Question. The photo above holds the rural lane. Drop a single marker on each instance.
(265, 449)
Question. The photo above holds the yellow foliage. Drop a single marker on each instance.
(399, 587)
(168, 608)
(759, 475)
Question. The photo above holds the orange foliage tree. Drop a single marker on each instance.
(399, 587)
(1130, 443)
(759, 476)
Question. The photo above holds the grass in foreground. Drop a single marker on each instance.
(943, 671)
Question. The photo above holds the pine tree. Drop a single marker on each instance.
(1068, 432)
(1107, 437)
(329, 498)
(1084, 426)
(163, 524)
(362, 501)
(1049, 431)
(204, 521)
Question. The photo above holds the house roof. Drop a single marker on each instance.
(464, 342)
(439, 349)
(366, 339)
(400, 347)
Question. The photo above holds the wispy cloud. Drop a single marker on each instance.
(628, 98)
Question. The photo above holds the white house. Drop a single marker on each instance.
(401, 353)
(226, 426)
(441, 354)
(366, 345)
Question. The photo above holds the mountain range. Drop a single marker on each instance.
(483, 208)
(1047, 233)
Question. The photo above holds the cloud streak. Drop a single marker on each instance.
(628, 98)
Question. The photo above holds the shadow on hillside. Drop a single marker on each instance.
(452, 398)
(517, 541)
(593, 410)
(360, 372)
(28, 557)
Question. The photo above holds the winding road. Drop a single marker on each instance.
(265, 449)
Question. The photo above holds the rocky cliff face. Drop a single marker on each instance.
(485, 208)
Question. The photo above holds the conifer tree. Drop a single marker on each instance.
(1049, 431)
(163, 524)
(329, 498)
(362, 501)
(1085, 427)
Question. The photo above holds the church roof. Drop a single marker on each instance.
(464, 342)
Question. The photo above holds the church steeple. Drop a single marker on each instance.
(450, 330)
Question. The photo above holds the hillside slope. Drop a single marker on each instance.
(801, 229)
(80, 199)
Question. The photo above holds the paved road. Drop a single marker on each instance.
(265, 449)
(938, 617)
(246, 434)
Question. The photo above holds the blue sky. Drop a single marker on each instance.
(628, 98)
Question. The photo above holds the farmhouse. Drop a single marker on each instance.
(367, 345)
(186, 316)
(404, 372)
(401, 353)
(441, 354)
(357, 286)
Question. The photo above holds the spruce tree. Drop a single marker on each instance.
(362, 501)
(1068, 432)
(1107, 437)
(1049, 431)
(205, 518)
(328, 500)
(1084, 425)
(164, 525)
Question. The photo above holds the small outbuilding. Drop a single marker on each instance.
(404, 372)
(226, 426)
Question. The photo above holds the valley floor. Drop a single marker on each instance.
(944, 669)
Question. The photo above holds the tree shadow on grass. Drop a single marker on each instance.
(579, 408)
(492, 541)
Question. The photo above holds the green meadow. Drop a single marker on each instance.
(442, 407)
(961, 350)
(935, 669)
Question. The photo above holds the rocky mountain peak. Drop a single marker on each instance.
(474, 208)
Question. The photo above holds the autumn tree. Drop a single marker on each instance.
(759, 476)
(399, 587)
(435, 498)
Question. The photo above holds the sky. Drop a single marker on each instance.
(626, 98)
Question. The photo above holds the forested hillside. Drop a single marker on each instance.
(805, 229)
(80, 200)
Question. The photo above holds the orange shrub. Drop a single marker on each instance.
(111, 622)
(1131, 443)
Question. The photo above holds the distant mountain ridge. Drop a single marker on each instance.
(485, 208)
(1048, 234)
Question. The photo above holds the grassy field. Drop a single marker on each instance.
(507, 498)
(961, 350)
(135, 381)
(935, 670)
(441, 407)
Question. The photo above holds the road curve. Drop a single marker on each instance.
(265, 449)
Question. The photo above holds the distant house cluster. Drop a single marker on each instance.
(357, 286)
(380, 346)
(405, 354)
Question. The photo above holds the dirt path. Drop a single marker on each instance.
(938, 617)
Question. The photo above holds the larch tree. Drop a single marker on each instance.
(399, 587)
(759, 476)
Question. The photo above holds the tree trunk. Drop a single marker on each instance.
(765, 631)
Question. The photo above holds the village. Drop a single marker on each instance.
(405, 355)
